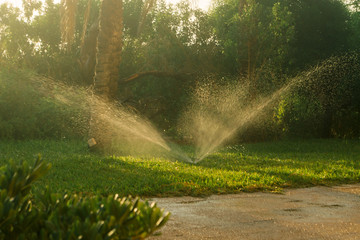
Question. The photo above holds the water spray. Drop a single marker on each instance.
(195, 160)
(178, 154)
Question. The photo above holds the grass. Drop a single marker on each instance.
(250, 167)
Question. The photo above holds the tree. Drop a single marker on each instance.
(253, 34)
(108, 51)
(321, 30)
(175, 47)
(14, 44)
(354, 7)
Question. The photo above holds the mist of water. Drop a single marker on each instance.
(127, 131)
(220, 110)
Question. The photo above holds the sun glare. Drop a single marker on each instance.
(203, 4)
(18, 3)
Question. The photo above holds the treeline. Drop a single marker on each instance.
(168, 49)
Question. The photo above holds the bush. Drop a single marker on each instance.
(29, 108)
(297, 116)
(53, 216)
(325, 102)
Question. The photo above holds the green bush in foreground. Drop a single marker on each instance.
(53, 216)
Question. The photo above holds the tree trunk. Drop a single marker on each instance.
(67, 22)
(87, 60)
(108, 58)
(109, 46)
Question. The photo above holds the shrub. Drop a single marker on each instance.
(29, 108)
(297, 116)
(325, 101)
(55, 216)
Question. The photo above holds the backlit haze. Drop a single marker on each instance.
(203, 4)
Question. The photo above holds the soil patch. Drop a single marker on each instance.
(309, 213)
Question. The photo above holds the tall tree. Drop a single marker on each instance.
(321, 30)
(354, 7)
(108, 51)
(100, 50)
(109, 46)
(253, 33)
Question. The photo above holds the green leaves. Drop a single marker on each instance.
(18, 179)
(56, 216)
(17, 214)
(150, 217)
(77, 217)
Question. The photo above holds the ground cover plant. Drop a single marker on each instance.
(270, 166)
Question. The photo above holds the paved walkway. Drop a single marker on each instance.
(310, 214)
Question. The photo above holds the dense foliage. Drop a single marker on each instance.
(327, 103)
(29, 110)
(55, 216)
(167, 49)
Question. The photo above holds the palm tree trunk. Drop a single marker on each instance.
(108, 58)
(109, 45)
(67, 22)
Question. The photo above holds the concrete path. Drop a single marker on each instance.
(309, 214)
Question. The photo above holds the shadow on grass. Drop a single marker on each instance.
(76, 170)
(123, 176)
(159, 177)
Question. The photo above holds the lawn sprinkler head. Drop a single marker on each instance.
(194, 160)
(91, 142)
(188, 159)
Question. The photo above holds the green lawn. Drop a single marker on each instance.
(249, 167)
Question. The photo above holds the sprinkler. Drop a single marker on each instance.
(194, 160)
(91, 142)
(93, 145)
(181, 156)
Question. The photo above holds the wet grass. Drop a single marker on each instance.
(250, 167)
